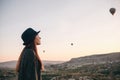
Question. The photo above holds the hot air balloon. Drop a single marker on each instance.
(43, 51)
(112, 11)
(71, 44)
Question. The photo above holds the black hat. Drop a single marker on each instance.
(28, 36)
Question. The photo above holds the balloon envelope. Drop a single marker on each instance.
(71, 44)
(112, 11)
(43, 51)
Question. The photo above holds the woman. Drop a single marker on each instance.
(29, 64)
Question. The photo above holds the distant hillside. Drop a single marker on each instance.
(93, 59)
(8, 64)
(12, 64)
(74, 62)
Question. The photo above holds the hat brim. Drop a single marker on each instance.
(38, 32)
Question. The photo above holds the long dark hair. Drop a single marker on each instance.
(30, 46)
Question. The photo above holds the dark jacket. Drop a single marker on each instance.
(27, 66)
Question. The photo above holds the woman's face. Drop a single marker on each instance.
(37, 40)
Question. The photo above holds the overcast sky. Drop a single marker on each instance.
(87, 24)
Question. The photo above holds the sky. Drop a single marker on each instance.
(87, 24)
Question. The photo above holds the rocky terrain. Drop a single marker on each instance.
(93, 59)
(94, 67)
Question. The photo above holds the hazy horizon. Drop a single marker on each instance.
(87, 24)
(70, 58)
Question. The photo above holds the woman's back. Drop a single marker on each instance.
(29, 64)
